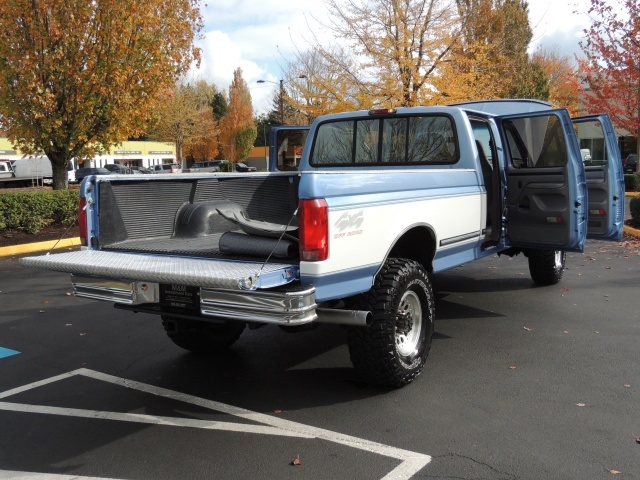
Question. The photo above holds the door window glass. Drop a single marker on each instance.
(536, 142)
(592, 145)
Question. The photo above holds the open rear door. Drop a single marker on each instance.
(605, 180)
(546, 190)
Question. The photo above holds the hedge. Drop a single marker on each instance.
(631, 182)
(634, 208)
(30, 212)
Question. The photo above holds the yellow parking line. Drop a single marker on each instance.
(39, 246)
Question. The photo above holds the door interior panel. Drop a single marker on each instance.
(537, 206)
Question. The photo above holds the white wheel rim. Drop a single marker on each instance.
(558, 259)
(408, 339)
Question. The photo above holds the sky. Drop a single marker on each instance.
(259, 37)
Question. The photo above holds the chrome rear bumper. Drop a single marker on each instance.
(290, 305)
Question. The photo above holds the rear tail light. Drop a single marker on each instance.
(82, 221)
(314, 230)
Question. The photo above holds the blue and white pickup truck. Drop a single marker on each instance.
(380, 202)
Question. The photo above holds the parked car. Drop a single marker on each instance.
(630, 163)
(166, 168)
(120, 169)
(243, 167)
(207, 166)
(85, 172)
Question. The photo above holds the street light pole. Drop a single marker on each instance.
(281, 102)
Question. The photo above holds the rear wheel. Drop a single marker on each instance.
(393, 350)
(202, 337)
(546, 266)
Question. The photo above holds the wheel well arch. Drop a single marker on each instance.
(416, 243)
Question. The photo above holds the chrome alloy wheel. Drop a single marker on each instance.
(408, 324)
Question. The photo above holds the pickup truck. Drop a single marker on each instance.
(381, 201)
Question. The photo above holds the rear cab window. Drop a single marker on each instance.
(394, 140)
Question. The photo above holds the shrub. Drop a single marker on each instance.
(634, 208)
(631, 182)
(31, 211)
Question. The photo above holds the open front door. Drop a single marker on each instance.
(546, 190)
(605, 180)
(285, 147)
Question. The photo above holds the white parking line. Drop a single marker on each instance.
(12, 475)
(411, 462)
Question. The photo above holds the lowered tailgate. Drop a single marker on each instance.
(165, 269)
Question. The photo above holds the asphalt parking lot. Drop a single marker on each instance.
(522, 383)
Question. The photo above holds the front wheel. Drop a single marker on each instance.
(393, 350)
(202, 337)
(546, 266)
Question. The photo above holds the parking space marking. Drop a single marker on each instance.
(13, 475)
(7, 352)
(149, 419)
(410, 462)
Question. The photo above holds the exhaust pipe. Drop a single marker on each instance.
(355, 318)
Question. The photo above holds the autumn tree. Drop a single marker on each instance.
(611, 66)
(237, 129)
(78, 76)
(186, 118)
(321, 80)
(397, 44)
(489, 58)
(561, 74)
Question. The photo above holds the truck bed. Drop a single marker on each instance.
(185, 215)
(171, 231)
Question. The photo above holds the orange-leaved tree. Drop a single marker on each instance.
(561, 75)
(78, 76)
(237, 128)
(612, 65)
(186, 118)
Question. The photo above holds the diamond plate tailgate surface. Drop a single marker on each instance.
(202, 272)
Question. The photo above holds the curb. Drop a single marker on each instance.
(634, 232)
(39, 246)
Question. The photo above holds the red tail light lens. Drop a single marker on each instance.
(314, 230)
(82, 221)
